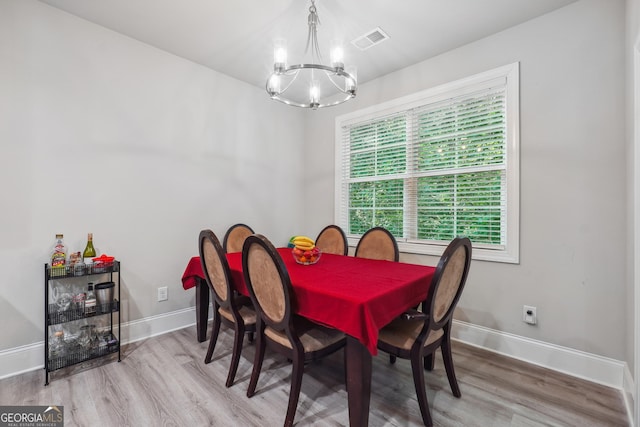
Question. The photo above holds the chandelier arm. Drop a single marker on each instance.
(306, 49)
(329, 76)
(297, 104)
(317, 47)
(295, 76)
(295, 70)
(286, 72)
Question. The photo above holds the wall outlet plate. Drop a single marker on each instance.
(163, 293)
(529, 315)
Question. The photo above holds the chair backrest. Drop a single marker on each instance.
(332, 240)
(215, 267)
(378, 243)
(268, 282)
(235, 236)
(448, 282)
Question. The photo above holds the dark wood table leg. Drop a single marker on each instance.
(358, 382)
(202, 308)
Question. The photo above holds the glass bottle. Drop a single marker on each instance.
(90, 301)
(59, 257)
(89, 250)
(79, 267)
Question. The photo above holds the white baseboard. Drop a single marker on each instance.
(602, 370)
(30, 357)
(148, 327)
(629, 394)
(598, 369)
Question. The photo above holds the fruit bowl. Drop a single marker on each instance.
(306, 257)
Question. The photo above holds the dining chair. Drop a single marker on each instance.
(416, 335)
(332, 240)
(229, 306)
(235, 236)
(378, 243)
(296, 337)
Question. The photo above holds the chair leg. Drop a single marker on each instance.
(235, 357)
(429, 362)
(257, 364)
(392, 359)
(448, 366)
(250, 337)
(202, 308)
(421, 392)
(296, 385)
(215, 329)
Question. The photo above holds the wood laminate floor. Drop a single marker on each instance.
(163, 381)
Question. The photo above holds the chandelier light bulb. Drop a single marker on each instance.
(337, 56)
(314, 95)
(351, 82)
(273, 86)
(280, 55)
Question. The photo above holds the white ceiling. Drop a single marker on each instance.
(235, 37)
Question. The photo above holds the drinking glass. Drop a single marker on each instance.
(87, 339)
(62, 298)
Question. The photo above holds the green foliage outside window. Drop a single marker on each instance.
(438, 169)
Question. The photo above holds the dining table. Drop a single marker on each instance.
(357, 296)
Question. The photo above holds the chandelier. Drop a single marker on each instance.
(311, 85)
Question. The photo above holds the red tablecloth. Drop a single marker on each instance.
(355, 295)
(192, 272)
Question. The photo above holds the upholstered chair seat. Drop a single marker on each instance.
(403, 333)
(312, 336)
(248, 314)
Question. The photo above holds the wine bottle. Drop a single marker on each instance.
(89, 250)
(90, 301)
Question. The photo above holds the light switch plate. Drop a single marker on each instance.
(163, 293)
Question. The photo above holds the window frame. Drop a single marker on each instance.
(509, 74)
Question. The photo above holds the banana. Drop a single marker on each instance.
(303, 243)
(303, 240)
(304, 247)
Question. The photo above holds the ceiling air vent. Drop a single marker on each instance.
(370, 39)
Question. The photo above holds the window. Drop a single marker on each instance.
(435, 165)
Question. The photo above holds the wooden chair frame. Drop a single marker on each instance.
(433, 323)
(229, 307)
(277, 325)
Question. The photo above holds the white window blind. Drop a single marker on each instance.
(440, 165)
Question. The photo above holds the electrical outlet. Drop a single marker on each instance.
(529, 315)
(163, 293)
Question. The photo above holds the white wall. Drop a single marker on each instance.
(573, 178)
(632, 55)
(100, 133)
